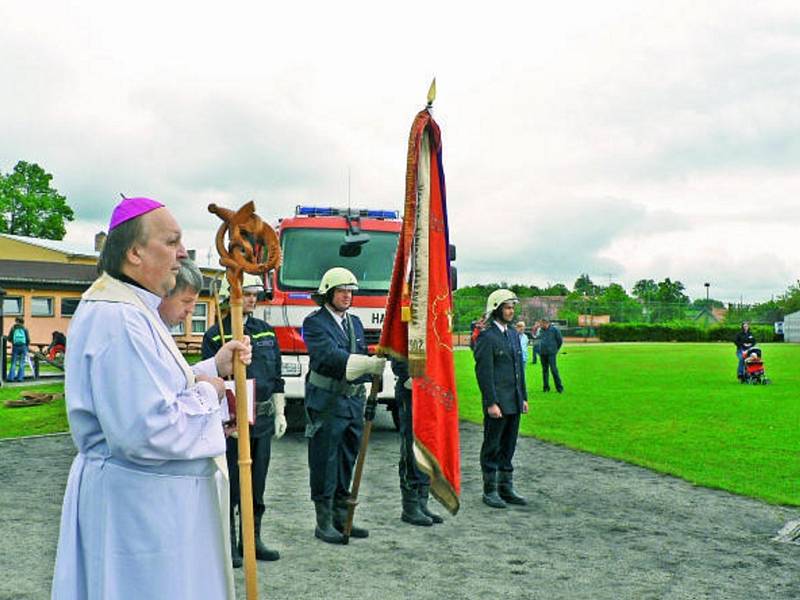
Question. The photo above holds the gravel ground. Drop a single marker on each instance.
(595, 528)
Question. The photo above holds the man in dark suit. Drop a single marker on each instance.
(334, 400)
(501, 379)
(550, 342)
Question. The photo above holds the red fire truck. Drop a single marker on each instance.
(312, 241)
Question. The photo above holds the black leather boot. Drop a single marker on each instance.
(505, 486)
(262, 551)
(324, 529)
(236, 555)
(340, 519)
(411, 509)
(423, 505)
(490, 497)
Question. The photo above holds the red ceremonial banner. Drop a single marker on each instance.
(420, 297)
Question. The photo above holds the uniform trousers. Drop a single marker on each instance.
(499, 443)
(332, 452)
(411, 478)
(260, 451)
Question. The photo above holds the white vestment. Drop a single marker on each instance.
(143, 515)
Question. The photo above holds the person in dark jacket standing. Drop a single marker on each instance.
(415, 485)
(550, 341)
(265, 368)
(744, 341)
(20, 340)
(501, 378)
(334, 402)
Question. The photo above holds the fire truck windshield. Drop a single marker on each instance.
(308, 253)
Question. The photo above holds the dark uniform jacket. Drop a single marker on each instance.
(328, 350)
(550, 340)
(499, 369)
(265, 367)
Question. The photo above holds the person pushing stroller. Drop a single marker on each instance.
(744, 341)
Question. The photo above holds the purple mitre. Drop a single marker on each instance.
(130, 208)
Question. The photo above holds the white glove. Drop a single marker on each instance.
(360, 364)
(279, 401)
(408, 383)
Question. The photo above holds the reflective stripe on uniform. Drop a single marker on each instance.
(255, 336)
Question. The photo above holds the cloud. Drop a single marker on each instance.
(632, 139)
(565, 240)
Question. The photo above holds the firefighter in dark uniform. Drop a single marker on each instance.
(501, 379)
(265, 368)
(334, 400)
(414, 484)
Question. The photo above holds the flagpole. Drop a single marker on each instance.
(369, 417)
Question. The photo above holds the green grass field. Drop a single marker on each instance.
(675, 408)
(32, 420)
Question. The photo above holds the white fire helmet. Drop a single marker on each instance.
(337, 277)
(251, 283)
(499, 297)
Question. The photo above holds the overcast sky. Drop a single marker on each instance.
(626, 140)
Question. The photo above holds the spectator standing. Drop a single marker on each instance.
(537, 326)
(549, 344)
(20, 340)
(523, 342)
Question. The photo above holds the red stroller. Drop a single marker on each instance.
(754, 367)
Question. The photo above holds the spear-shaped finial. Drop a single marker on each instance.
(432, 93)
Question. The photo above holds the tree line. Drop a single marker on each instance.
(649, 301)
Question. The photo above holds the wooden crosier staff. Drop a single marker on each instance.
(253, 248)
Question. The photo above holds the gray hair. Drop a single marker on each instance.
(189, 277)
(119, 241)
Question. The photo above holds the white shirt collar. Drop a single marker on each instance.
(501, 326)
(339, 319)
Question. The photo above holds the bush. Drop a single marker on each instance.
(677, 332)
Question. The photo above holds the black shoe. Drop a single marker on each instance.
(262, 552)
(490, 496)
(423, 507)
(560, 390)
(324, 530)
(412, 513)
(494, 500)
(265, 553)
(506, 491)
(415, 518)
(236, 554)
(340, 519)
(546, 389)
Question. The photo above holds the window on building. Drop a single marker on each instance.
(69, 306)
(12, 305)
(199, 317)
(41, 307)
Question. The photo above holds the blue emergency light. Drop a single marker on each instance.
(321, 211)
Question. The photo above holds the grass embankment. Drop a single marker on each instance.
(675, 408)
(32, 420)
